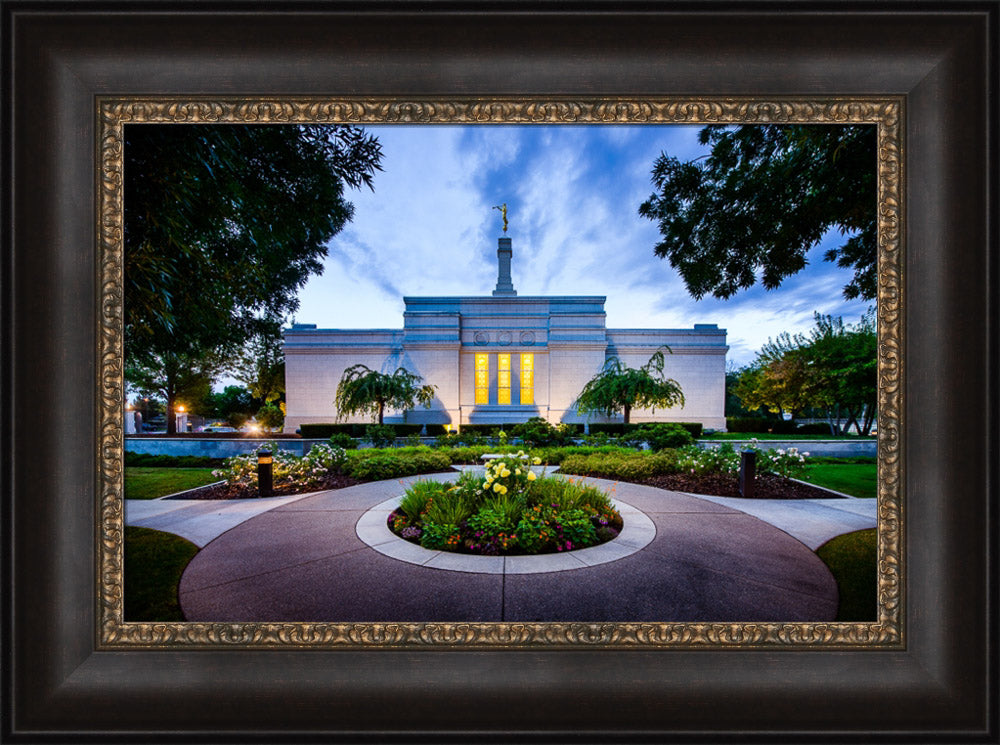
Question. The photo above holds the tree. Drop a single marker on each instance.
(621, 388)
(765, 195)
(176, 378)
(834, 369)
(261, 365)
(222, 226)
(235, 404)
(365, 391)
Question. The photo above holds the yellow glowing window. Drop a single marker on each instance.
(527, 379)
(482, 378)
(503, 378)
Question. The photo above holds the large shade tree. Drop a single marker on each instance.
(752, 209)
(619, 388)
(833, 368)
(365, 391)
(223, 224)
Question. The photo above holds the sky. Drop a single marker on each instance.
(572, 195)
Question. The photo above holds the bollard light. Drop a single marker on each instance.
(748, 472)
(265, 484)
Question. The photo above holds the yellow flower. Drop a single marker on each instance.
(497, 488)
(531, 476)
(536, 461)
(505, 473)
(503, 489)
(517, 471)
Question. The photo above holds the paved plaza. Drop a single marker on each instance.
(312, 558)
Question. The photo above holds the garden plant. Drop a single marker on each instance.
(510, 511)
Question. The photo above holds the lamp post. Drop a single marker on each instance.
(265, 484)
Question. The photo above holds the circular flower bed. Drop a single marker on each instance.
(509, 512)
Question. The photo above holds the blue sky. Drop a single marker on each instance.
(572, 193)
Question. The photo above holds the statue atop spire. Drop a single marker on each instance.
(503, 211)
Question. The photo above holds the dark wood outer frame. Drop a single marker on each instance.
(58, 59)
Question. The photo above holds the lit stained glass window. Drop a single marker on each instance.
(503, 379)
(527, 379)
(482, 378)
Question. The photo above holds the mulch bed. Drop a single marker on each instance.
(767, 486)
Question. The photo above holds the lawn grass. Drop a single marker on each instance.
(154, 562)
(150, 483)
(856, 479)
(852, 559)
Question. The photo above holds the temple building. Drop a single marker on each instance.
(503, 359)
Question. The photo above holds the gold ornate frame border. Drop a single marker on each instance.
(884, 112)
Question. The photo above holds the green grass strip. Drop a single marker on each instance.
(154, 562)
(150, 483)
(856, 479)
(852, 559)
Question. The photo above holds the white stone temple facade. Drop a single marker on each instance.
(503, 359)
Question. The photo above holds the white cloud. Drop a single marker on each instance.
(573, 193)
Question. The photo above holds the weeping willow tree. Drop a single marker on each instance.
(621, 388)
(365, 391)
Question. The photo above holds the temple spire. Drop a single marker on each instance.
(505, 287)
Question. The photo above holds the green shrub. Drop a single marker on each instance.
(380, 435)
(662, 435)
(759, 424)
(633, 466)
(381, 465)
(310, 469)
(342, 440)
(148, 460)
(539, 432)
(440, 537)
(419, 497)
(323, 431)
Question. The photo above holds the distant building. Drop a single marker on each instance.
(503, 359)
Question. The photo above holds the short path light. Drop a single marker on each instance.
(265, 484)
(748, 471)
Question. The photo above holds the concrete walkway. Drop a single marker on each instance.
(300, 559)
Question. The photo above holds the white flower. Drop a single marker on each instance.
(805, 455)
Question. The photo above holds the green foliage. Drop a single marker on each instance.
(764, 197)
(662, 435)
(459, 439)
(377, 465)
(154, 562)
(621, 388)
(419, 496)
(323, 431)
(492, 515)
(380, 435)
(365, 391)
(270, 417)
(758, 425)
(222, 226)
(631, 466)
(171, 461)
(538, 432)
(234, 403)
(342, 440)
(287, 468)
(834, 368)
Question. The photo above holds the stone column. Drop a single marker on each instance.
(505, 287)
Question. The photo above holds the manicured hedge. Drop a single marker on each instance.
(147, 460)
(625, 466)
(377, 465)
(619, 428)
(759, 424)
(356, 429)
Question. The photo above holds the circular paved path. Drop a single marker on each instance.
(304, 562)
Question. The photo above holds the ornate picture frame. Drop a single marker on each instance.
(73, 670)
(885, 114)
